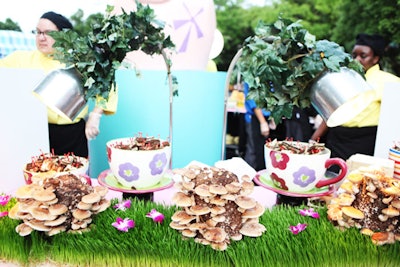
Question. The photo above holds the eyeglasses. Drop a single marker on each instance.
(43, 33)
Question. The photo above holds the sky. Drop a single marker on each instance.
(27, 12)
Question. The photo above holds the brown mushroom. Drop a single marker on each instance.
(218, 189)
(391, 211)
(56, 222)
(101, 190)
(182, 200)
(203, 190)
(254, 212)
(215, 235)
(42, 214)
(353, 212)
(58, 209)
(38, 225)
(56, 230)
(23, 229)
(91, 198)
(43, 195)
(182, 217)
(245, 202)
(81, 214)
(252, 229)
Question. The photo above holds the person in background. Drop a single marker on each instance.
(359, 134)
(64, 136)
(258, 128)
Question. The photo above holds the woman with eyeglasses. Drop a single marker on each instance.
(64, 136)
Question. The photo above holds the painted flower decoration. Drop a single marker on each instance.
(279, 160)
(304, 176)
(300, 227)
(278, 182)
(309, 212)
(4, 199)
(128, 171)
(156, 216)
(3, 214)
(108, 153)
(123, 205)
(123, 225)
(158, 163)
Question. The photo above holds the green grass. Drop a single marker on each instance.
(149, 244)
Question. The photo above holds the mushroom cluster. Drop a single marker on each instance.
(369, 201)
(215, 207)
(59, 204)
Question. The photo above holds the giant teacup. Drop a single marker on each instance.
(301, 173)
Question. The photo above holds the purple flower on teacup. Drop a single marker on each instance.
(278, 182)
(279, 160)
(158, 163)
(304, 176)
(128, 171)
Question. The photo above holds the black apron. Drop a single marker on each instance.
(68, 138)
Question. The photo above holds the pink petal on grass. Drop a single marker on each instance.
(123, 205)
(123, 225)
(4, 199)
(156, 216)
(300, 227)
(3, 214)
(310, 212)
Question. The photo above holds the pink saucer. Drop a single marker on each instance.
(107, 179)
(263, 179)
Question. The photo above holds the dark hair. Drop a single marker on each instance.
(59, 20)
(377, 42)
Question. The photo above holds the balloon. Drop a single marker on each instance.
(217, 45)
(191, 25)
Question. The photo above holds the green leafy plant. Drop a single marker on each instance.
(97, 55)
(282, 60)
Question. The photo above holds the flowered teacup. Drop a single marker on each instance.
(302, 173)
(137, 169)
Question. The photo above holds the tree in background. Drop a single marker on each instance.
(10, 25)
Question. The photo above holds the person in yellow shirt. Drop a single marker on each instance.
(64, 136)
(359, 134)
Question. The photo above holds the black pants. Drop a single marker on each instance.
(68, 138)
(346, 141)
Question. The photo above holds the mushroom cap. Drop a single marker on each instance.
(42, 214)
(23, 229)
(353, 212)
(177, 226)
(219, 246)
(24, 191)
(247, 188)
(215, 234)
(58, 209)
(38, 225)
(197, 226)
(219, 218)
(245, 202)
(200, 210)
(103, 205)
(182, 217)
(101, 190)
(203, 190)
(392, 190)
(13, 213)
(56, 222)
(233, 187)
(217, 210)
(254, 212)
(56, 230)
(182, 200)
(43, 195)
(252, 229)
(218, 189)
(189, 233)
(84, 206)
(91, 198)
(219, 201)
(81, 214)
(391, 211)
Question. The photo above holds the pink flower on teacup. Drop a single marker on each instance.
(128, 171)
(304, 176)
(108, 154)
(279, 160)
(278, 182)
(158, 163)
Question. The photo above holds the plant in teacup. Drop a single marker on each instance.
(300, 167)
(138, 162)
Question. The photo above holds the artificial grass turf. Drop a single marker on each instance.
(152, 244)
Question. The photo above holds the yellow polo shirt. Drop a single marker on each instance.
(37, 60)
(370, 116)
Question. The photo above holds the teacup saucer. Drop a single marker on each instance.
(263, 179)
(107, 179)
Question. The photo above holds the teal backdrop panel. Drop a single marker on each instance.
(144, 106)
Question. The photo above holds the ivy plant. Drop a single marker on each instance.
(281, 62)
(97, 55)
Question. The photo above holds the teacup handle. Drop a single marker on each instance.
(343, 171)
